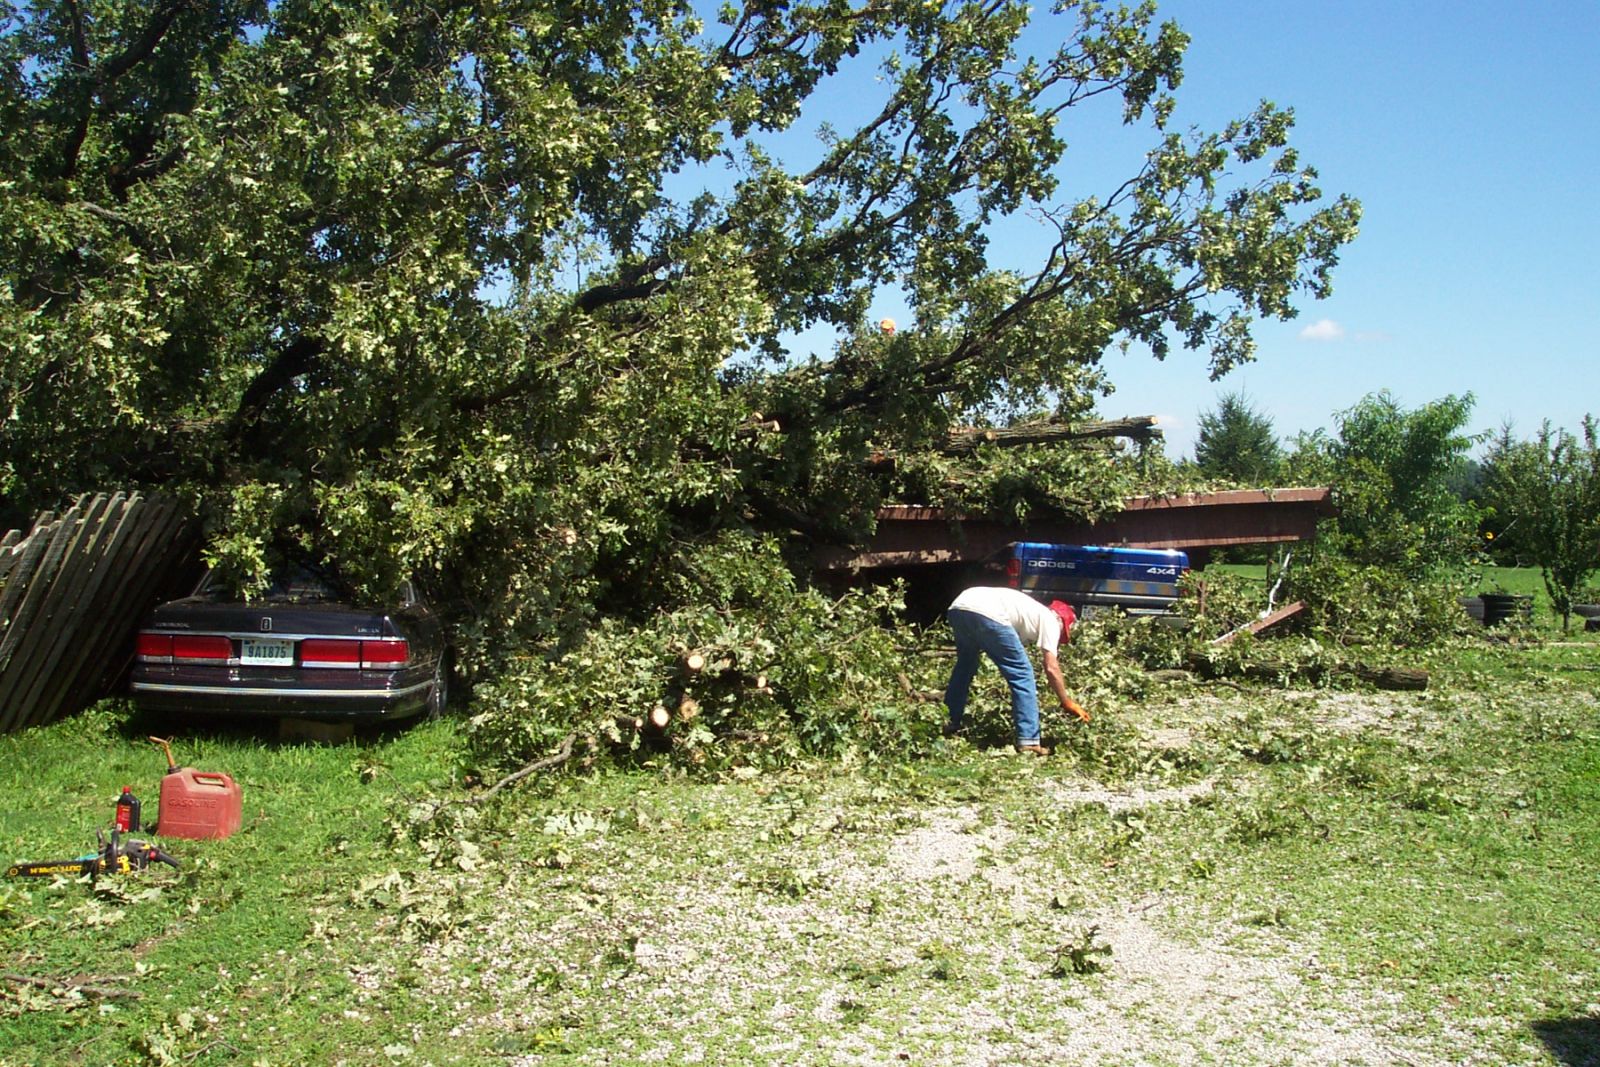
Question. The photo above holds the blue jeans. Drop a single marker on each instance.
(977, 636)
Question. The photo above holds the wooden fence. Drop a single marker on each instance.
(72, 593)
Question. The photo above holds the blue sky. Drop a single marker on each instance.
(1469, 133)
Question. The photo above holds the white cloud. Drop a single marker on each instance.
(1322, 330)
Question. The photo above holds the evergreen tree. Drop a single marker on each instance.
(1236, 443)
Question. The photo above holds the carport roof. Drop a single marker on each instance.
(910, 534)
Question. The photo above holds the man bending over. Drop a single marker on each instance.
(999, 623)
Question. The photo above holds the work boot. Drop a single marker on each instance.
(950, 729)
(1033, 749)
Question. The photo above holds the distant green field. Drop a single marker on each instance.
(1257, 571)
(1519, 581)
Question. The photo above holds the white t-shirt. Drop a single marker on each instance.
(1034, 623)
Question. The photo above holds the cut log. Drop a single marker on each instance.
(879, 462)
(757, 424)
(693, 662)
(1400, 678)
(660, 716)
(688, 708)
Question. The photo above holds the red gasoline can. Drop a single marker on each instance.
(199, 805)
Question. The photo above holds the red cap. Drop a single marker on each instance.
(1067, 616)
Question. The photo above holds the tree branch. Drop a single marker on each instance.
(98, 80)
(292, 360)
(136, 232)
(965, 440)
(107, 992)
(561, 756)
(160, 22)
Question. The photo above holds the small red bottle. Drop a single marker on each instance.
(128, 811)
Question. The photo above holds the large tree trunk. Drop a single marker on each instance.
(1401, 678)
(965, 439)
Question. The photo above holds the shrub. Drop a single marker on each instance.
(786, 672)
(1352, 604)
(1229, 601)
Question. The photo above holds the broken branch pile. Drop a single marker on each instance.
(764, 674)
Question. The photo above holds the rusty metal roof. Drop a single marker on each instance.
(911, 534)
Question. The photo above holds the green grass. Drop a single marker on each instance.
(1417, 867)
(1520, 581)
(229, 932)
(1524, 581)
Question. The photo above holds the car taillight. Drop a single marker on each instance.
(330, 652)
(1014, 572)
(383, 654)
(194, 648)
(154, 648)
(350, 653)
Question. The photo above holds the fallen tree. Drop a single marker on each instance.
(514, 312)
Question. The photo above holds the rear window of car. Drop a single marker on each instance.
(289, 585)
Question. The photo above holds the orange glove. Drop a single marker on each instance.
(1077, 709)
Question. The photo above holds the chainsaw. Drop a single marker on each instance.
(114, 857)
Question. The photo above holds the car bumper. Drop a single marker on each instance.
(328, 694)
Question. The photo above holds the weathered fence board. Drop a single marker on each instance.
(143, 576)
(72, 613)
(74, 591)
(33, 571)
(38, 589)
(28, 554)
(29, 660)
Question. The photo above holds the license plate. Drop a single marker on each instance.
(266, 652)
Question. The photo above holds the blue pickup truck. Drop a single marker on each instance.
(1139, 580)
